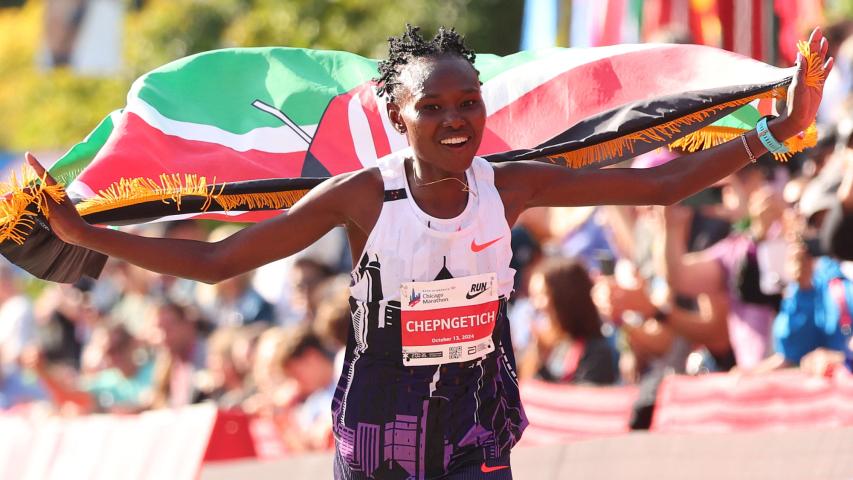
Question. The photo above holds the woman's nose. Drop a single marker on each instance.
(453, 119)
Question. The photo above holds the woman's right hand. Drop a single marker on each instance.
(64, 219)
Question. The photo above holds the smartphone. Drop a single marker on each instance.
(709, 196)
(606, 262)
(814, 247)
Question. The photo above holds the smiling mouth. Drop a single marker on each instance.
(455, 142)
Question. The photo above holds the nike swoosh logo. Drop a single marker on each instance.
(469, 296)
(479, 248)
(487, 469)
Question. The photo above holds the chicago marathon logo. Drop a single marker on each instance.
(414, 298)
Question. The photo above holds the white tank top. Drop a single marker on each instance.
(414, 246)
(429, 383)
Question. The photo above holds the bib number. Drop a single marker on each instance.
(448, 321)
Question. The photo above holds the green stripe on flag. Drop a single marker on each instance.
(299, 82)
(744, 118)
(79, 156)
(491, 66)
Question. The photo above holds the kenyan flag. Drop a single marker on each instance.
(240, 134)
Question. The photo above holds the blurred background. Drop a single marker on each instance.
(738, 282)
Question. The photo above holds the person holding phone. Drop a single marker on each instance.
(729, 269)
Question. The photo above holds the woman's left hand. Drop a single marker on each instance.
(803, 100)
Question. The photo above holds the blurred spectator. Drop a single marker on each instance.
(17, 327)
(180, 290)
(568, 345)
(649, 322)
(730, 266)
(839, 82)
(333, 320)
(223, 381)
(244, 352)
(126, 377)
(526, 254)
(588, 233)
(179, 355)
(233, 301)
(62, 24)
(308, 390)
(120, 383)
(837, 228)
(307, 275)
(134, 287)
(267, 375)
(64, 318)
(275, 282)
(18, 387)
(817, 311)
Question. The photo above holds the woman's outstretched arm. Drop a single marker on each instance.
(530, 184)
(261, 243)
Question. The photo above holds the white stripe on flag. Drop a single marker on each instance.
(510, 85)
(265, 139)
(362, 138)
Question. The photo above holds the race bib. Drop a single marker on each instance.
(446, 321)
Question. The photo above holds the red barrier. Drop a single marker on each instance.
(159, 444)
(729, 403)
(173, 444)
(562, 413)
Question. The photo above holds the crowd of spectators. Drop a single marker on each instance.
(748, 276)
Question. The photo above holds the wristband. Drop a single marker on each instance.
(767, 138)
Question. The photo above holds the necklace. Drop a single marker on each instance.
(465, 187)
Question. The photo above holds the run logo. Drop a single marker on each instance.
(477, 289)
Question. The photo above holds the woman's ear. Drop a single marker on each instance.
(395, 117)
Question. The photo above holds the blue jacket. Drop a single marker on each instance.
(809, 319)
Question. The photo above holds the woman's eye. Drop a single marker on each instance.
(469, 103)
(431, 106)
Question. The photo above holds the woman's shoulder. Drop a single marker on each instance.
(362, 184)
(358, 196)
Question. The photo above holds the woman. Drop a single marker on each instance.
(570, 348)
(428, 388)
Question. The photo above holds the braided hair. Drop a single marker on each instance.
(411, 45)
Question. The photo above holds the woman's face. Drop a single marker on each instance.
(440, 109)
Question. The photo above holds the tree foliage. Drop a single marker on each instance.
(54, 109)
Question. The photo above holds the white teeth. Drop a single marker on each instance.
(454, 140)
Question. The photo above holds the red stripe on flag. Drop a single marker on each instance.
(590, 89)
(136, 149)
(374, 119)
(333, 144)
(765, 106)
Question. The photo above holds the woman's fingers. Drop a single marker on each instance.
(814, 39)
(40, 171)
(827, 67)
(802, 66)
